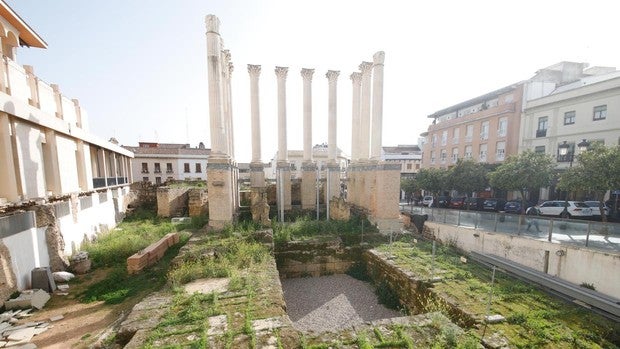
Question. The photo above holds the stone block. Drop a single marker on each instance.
(42, 279)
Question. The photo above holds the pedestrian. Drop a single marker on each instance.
(531, 212)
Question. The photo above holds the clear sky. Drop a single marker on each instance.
(139, 67)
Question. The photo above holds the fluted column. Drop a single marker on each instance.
(364, 142)
(214, 49)
(356, 78)
(254, 71)
(377, 106)
(306, 74)
(227, 69)
(281, 73)
(332, 77)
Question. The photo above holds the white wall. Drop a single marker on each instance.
(576, 265)
(28, 251)
(67, 165)
(30, 159)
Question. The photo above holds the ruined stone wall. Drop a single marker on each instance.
(8, 283)
(172, 202)
(315, 258)
(198, 202)
(142, 194)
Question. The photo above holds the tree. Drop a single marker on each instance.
(432, 179)
(597, 170)
(467, 176)
(409, 186)
(525, 172)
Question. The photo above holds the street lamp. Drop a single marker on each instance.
(563, 150)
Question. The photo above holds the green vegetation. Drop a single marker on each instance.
(304, 228)
(533, 318)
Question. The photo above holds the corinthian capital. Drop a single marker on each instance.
(332, 76)
(281, 72)
(254, 70)
(212, 23)
(356, 77)
(378, 58)
(365, 68)
(307, 74)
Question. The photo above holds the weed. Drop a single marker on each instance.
(378, 335)
(588, 286)
(363, 342)
(516, 318)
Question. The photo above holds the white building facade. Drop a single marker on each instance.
(161, 162)
(408, 156)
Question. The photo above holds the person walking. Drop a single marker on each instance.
(531, 220)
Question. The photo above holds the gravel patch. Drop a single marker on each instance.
(332, 303)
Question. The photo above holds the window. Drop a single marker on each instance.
(186, 167)
(198, 168)
(539, 149)
(157, 180)
(432, 157)
(443, 156)
(444, 138)
(145, 179)
(502, 127)
(483, 153)
(434, 140)
(145, 167)
(455, 155)
(543, 122)
(569, 117)
(409, 166)
(468, 152)
(157, 168)
(455, 135)
(469, 132)
(169, 167)
(600, 112)
(500, 151)
(484, 131)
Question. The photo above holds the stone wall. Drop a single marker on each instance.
(172, 202)
(315, 258)
(143, 194)
(573, 264)
(198, 202)
(413, 292)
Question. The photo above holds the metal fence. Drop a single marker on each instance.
(591, 234)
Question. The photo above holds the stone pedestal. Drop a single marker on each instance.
(387, 190)
(308, 186)
(333, 182)
(283, 178)
(220, 189)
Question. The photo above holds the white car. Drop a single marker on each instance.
(427, 200)
(573, 209)
(596, 211)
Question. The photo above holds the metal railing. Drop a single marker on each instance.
(591, 234)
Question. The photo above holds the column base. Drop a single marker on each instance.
(220, 173)
(283, 180)
(257, 175)
(308, 186)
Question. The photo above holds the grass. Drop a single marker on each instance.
(533, 318)
(307, 227)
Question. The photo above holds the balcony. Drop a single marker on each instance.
(157, 171)
(144, 171)
(169, 171)
(541, 133)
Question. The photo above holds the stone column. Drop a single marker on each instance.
(8, 179)
(377, 106)
(220, 171)
(227, 69)
(333, 166)
(352, 173)
(283, 167)
(308, 168)
(254, 71)
(364, 141)
(214, 49)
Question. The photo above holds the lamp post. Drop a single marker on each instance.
(563, 150)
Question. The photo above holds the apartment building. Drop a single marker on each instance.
(59, 183)
(585, 109)
(408, 156)
(487, 128)
(161, 162)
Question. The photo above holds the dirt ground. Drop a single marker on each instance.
(83, 323)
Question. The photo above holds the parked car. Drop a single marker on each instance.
(514, 206)
(443, 201)
(493, 204)
(474, 204)
(596, 211)
(457, 203)
(427, 200)
(573, 209)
